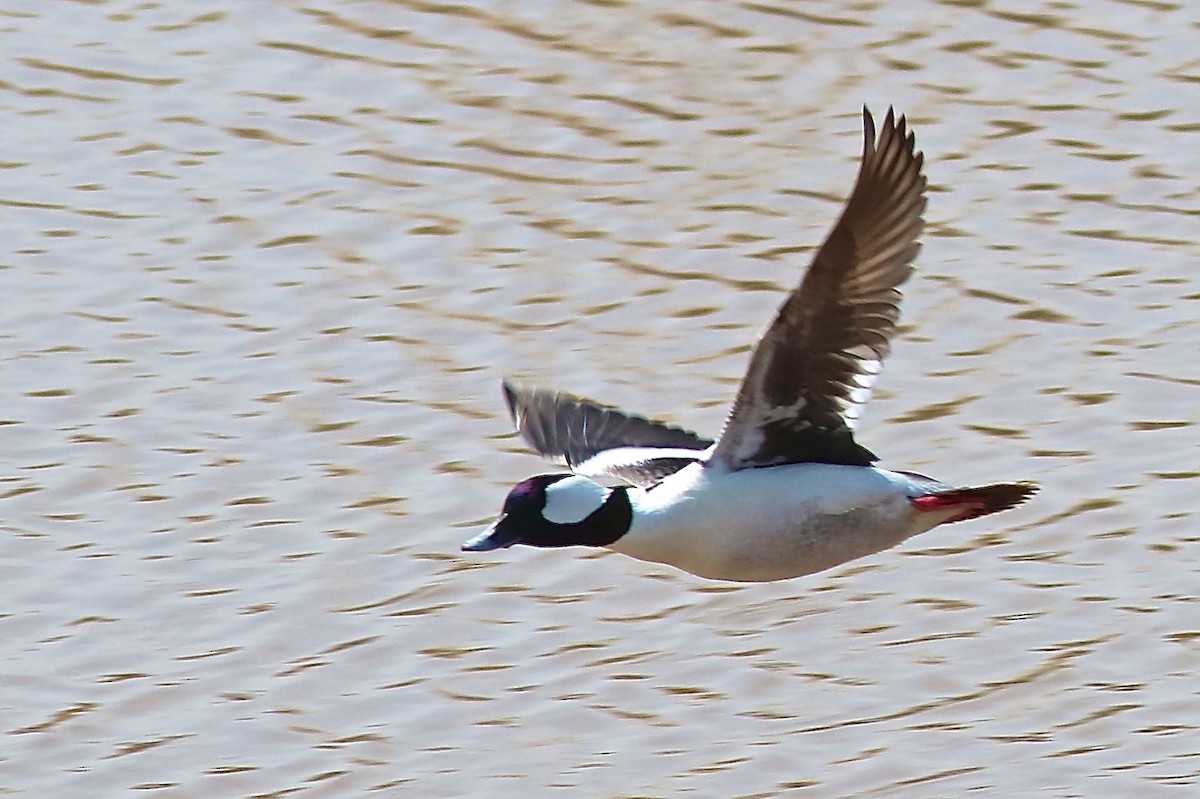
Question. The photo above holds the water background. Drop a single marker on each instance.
(265, 263)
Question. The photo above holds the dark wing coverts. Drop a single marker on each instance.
(574, 430)
(816, 363)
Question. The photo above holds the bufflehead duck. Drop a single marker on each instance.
(785, 490)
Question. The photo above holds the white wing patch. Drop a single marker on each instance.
(861, 386)
(750, 444)
(612, 461)
(573, 499)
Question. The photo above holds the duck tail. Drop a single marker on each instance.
(975, 501)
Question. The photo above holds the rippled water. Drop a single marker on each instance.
(265, 264)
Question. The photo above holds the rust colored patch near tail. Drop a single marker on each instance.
(975, 501)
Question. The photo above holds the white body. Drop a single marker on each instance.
(773, 523)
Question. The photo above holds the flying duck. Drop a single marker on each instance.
(785, 490)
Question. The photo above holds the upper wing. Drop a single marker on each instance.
(577, 431)
(816, 363)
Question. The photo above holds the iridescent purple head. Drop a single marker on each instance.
(557, 510)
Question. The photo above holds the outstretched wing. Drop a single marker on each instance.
(815, 365)
(599, 441)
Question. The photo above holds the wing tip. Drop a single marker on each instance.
(868, 130)
(893, 126)
(511, 394)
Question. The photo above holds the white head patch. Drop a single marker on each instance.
(573, 499)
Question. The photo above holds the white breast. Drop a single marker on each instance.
(772, 523)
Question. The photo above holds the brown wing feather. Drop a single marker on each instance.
(573, 429)
(815, 364)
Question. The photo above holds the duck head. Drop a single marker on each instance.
(558, 510)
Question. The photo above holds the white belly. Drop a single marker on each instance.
(771, 524)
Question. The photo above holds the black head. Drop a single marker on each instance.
(558, 510)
